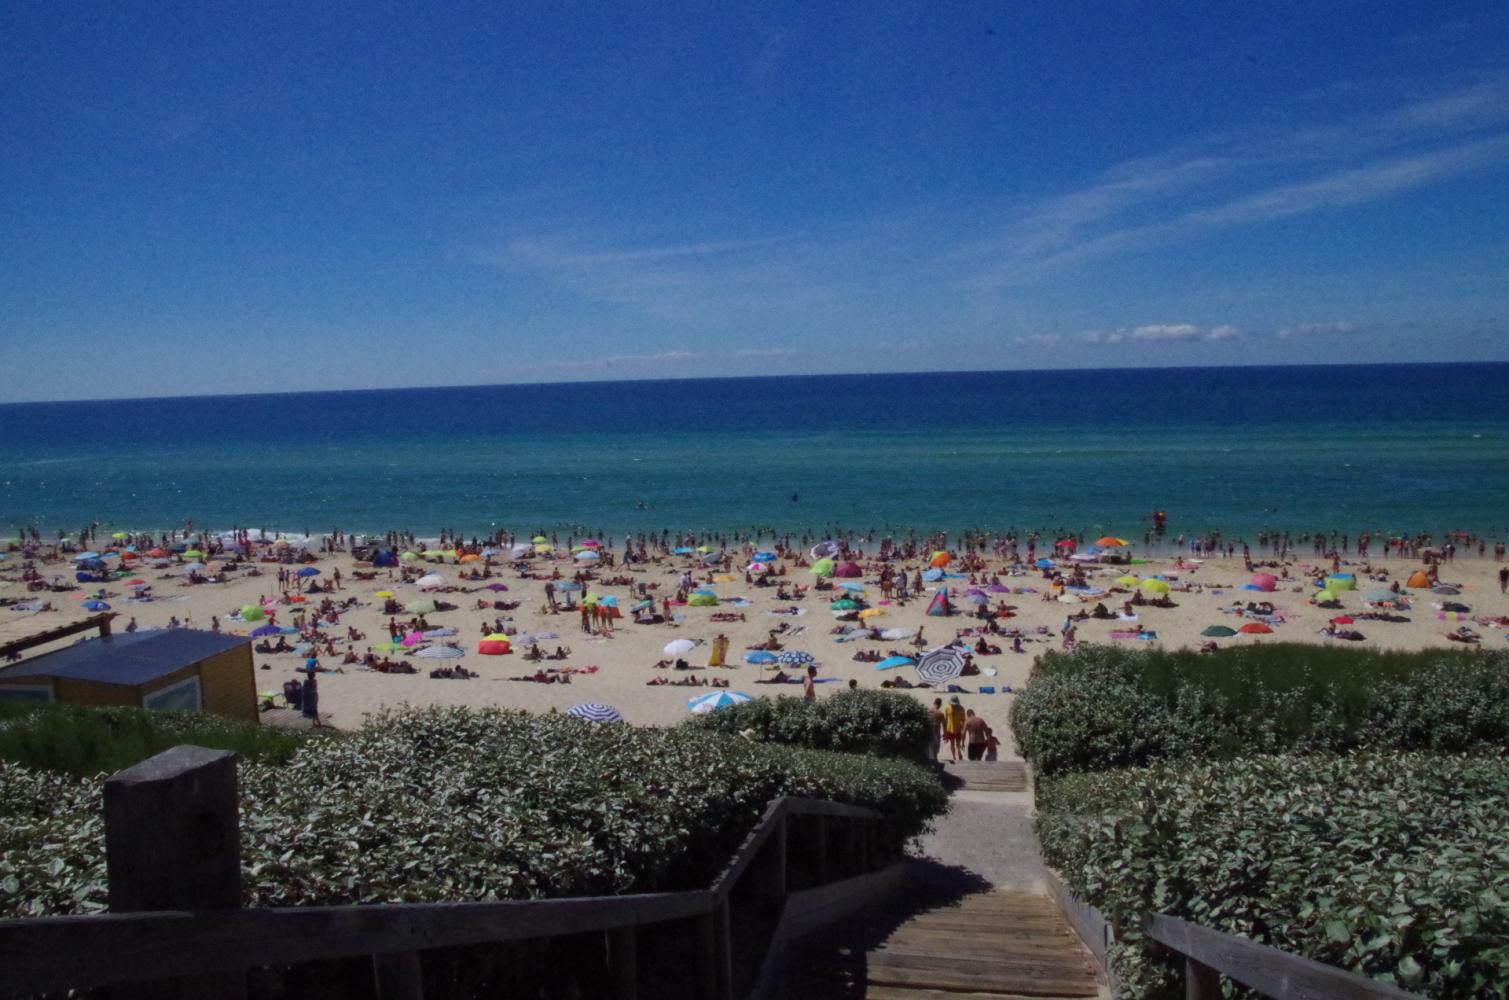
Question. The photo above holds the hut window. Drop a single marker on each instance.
(181, 697)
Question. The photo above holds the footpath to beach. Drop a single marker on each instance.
(975, 919)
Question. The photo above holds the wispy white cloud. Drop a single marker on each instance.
(1226, 181)
(1152, 332)
(1307, 330)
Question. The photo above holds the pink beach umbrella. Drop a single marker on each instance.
(1264, 581)
(413, 638)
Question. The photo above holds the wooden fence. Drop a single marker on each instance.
(176, 926)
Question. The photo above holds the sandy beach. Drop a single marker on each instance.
(1019, 597)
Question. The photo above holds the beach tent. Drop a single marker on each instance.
(703, 599)
(384, 558)
(1266, 582)
(1418, 580)
(823, 567)
(431, 581)
(495, 645)
(939, 605)
(1341, 581)
(1325, 597)
(848, 569)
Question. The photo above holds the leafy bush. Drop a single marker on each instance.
(1104, 707)
(450, 804)
(82, 741)
(877, 723)
(1392, 865)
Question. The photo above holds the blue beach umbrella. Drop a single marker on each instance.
(759, 657)
(262, 630)
(933, 574)
(704, 703)
(764, 557)
(850, 585)
(592, 711)
(682, 550)
(308, 571)
(891, 662)
(96, 606)
(86, 555)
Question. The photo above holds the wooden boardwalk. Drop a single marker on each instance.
(986, 945)
(979, 776)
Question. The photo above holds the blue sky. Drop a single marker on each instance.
(212, 198)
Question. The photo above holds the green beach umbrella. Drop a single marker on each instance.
(844, 605)
(1323, 596)
(1219, 632)
(252, 613)
(1341, 583)
(1127, 581)
(409, 556)
(193, 554)
(823, 567)
(420, 608)
(539, 539)
(118, 535)
(702, 600)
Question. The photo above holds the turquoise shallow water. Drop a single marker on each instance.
(1380, 448)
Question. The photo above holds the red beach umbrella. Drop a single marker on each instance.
(1342, 620)
(1255, 628)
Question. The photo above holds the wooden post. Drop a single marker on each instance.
(398, 976)
(1201, 982)
(173, 842)
(623, 962)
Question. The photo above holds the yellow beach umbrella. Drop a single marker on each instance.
(1322, 596)
(542, 549)
(1155, 586)
(383, 593)
(537, 539)
(497, 637)
(871, 613)
(471, 557)
(1127, 581)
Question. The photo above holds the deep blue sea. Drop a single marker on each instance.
(1381, 448)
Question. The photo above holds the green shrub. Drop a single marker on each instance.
(83, 741)
(452, 804)
(1104, 707)
(877, 723)
(1392, 865)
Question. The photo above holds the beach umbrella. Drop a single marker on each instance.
(932, 575)
(1111, 542)
(848, 569)
(520, 550)
(1044, 564)
(119, 535)
(940, 666)
(757, 567)
(825, 550)
(490, 552)
(158, 553)
(702, 599)
(262, 630)
(759, 657)
(1325, 596)
(844, 605)
(1418, 581)
(86, 555)
(705, 703)
(586, 555)
(764, 557)
(795, 658)
(1343, 620)
(440, 633)
(940, 559)
(439, 653)
(193, 553)
(677, 647)
(682, 550)
(497, 588)
(591, 711)
(1155, 586)
(252, 613)
(1255, 628)
(471, 558)
(1445, 589)
(96, 606)
(138, 582)
(1127, 581)
(430, 581)
(822, 568)
(385, 594)
(1341, 581)
(1219, 632)
(539, 539)
(409, 557)
(892, 662)
(853, 588)
(419, 607)
(1265, 582)
(307, 571)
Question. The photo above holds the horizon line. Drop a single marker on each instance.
(741, 378)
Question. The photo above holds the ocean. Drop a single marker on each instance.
(1383, 448)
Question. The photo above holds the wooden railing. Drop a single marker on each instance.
(1210, 954)
(172, 844)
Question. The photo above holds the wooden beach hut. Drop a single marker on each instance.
(182, 669)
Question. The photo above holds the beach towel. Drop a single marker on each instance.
(1125, 635)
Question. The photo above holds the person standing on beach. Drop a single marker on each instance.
(976, 735)
(935, 721)
(311, 704)
(809, 685)
(953, 727)
(1504, 580)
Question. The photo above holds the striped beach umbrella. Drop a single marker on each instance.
(592, 711)
(795, 658)
(440, 653)
(705, 703)
(941, 665)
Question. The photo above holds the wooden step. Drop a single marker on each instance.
(995, 776)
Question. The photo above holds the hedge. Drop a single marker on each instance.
(453, 804)
(876, 723)
(1103, 707)
(1393, 865)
